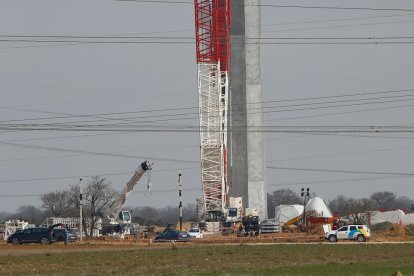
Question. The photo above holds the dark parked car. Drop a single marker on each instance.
(172, 235)
(59, 235)
(32, 235)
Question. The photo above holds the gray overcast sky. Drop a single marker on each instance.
(49, 80)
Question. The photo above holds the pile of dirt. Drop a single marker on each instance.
(410, 229)
(396, 232)
(315, 229)
(381, 227)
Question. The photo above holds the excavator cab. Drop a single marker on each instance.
(125, 216)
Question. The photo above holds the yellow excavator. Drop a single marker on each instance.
(293, 221)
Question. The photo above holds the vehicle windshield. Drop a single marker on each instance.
(124, 216)
(233, 212)
(194, 230)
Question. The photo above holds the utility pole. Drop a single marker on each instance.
(180, 188)
(80, 209)
(304, 195)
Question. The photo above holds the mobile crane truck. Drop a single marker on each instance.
(118, 221)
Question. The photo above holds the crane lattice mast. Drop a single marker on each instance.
(212, 19)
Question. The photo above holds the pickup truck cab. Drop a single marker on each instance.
(349, 232)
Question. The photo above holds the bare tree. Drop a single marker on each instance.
(357, 210)
(163, 216)
(384, 200)
(98, 196)
(402, 203)
(339, 205)
(31, 214)
(57, 203)
(4, 216)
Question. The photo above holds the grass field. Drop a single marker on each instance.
(180, 259)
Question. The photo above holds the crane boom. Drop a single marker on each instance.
(116, 206)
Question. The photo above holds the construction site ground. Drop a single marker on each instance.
(294, 254)
(397, 234)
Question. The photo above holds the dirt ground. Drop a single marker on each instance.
(131, 243)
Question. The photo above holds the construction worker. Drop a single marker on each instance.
(65, 234)
(335, 225)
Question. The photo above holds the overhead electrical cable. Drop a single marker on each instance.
(336, 20)
(76, 124)
(340, 113)
(88, 176)
(337, 26)
(99, 153)
(339, 154)
(336, 181)
(128, 119)
(339, 171)
(278, 6)
(190, 40)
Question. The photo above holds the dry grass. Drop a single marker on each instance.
(191, 259)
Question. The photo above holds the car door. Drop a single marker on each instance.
(343, 233)
(26, 235)
(353, 232)
(171, 235)
(36, 234)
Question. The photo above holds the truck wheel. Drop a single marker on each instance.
(44, 241)
(361, 238)
(15, 241)
(332, 238)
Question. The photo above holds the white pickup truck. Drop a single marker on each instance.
(349, 232)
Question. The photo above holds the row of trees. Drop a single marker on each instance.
(98, 195)
(342, 205)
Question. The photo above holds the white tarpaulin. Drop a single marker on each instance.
(389, 216)
(284, 213)
(408, 219)
(397, 216)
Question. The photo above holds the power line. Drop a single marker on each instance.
(340, 26)
(77, 125)
(278, 6)
(126, 39)
(337, 19)
(100, 115)
(87, 176)
(339, 154)
(235, 129)
(335, 181)
(100, 153)
(190, 40)
(133, 192)
(340, 171)
(340, 113)
(335, 8)
(275, 24)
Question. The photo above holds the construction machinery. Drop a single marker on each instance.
(250, 226)
(118, 220)
(212, 24)
(234, 212)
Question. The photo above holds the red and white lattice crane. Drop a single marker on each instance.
(212, 19)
